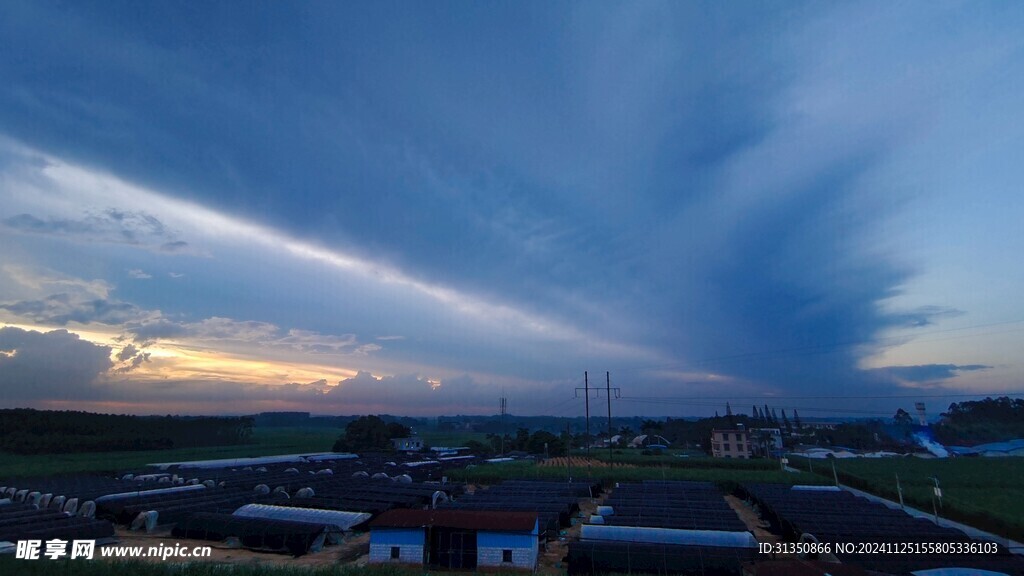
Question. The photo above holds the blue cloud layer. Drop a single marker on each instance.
(725, 187)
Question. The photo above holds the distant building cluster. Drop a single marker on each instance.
(456, 539)
(407, 444)
(742, 443)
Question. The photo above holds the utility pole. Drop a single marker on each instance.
(936, 495)
(586, 395)
(618, 394)
(586, 402)
(899, 489)
(608, 385)
(503, 403)
(568, 452)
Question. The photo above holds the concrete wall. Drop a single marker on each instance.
(409, 541)
(491, 545)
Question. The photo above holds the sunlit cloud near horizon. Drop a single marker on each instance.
(235, 211)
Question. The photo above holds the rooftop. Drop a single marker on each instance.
(464, 519)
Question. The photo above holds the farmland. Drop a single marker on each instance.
(962, 480)
(9, 565)
(265, 441)
(983, 492)
(492, 474)
(675, 459)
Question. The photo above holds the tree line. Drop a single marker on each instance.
(28, 431)
(370, 433)
(975, 421)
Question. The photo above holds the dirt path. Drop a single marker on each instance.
(751, 520)
(550, 561)
(354, 549)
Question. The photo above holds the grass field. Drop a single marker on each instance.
(448, 438)
(672, 460)
(265, 442)
(494, 473)
(45, 567)
(983, 492)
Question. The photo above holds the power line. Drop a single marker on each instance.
(712, 405)
(876, 397)
(565, 402)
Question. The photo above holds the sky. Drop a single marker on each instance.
(418, 208)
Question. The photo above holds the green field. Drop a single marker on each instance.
(449, 438)
(672, 459)
(45, 567)
(265, 442)
(983, 492)
(494, 473)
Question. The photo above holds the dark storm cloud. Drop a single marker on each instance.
(704, 180)
(48, 366)
(363, 393)
(925, 316)
(787, 293)
(131, 361)
(155, 329)
(928, 372)
(127, 352)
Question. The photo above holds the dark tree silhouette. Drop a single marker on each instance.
(370, 433)
(27, 431)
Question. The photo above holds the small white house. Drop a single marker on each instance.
(407, 444)
(456, 539)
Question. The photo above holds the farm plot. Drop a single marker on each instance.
(982, 492)
(663, 527)
(838, 518)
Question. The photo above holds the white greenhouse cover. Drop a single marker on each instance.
(123, 495)
(454, 458)
(331, 456)
(226, 462)
(957, 572)
(647, 535)
(344, 521)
